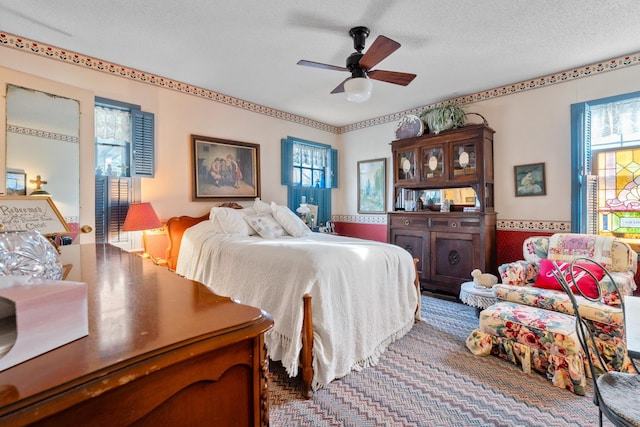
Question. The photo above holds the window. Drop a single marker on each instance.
(309, 170)
(125, 139)
(606, 167)
(113, 141)
(124, 153)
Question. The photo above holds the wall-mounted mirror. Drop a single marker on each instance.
(43, 149)
(431, 199)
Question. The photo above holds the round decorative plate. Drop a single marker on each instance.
(433, 163)
(406, 165)
(464, 159)
(409, 126)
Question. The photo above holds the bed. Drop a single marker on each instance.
(365, 293)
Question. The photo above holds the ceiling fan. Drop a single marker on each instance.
(359, 85)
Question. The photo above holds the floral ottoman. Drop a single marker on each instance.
(539, 340)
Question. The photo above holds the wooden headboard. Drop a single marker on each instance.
(175, 229)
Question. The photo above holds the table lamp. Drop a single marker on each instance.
(141, 217)
(304, 211)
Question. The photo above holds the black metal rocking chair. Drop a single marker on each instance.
(616, 394)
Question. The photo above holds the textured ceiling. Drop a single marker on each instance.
(249, 49)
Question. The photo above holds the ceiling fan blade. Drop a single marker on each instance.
(340, 87)
(380, 49)
(321, 65)
(394, 77)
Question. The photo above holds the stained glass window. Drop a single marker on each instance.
(605, 167)
(619, 192)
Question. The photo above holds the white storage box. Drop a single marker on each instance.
(38, 315)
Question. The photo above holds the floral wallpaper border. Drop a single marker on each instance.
(37, 48)
(526, 225)
(52, 52)
(43, 134)
(361, 219)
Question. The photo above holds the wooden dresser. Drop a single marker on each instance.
(161, 350)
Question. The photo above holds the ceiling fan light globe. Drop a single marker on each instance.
(358, 89)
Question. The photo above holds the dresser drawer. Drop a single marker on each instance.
(437, 222)
(412, 221)
(455, 224)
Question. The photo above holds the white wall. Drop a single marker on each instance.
(531, 127)
(364, 144)
(177, 116)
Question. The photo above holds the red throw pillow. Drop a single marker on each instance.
(587, 285)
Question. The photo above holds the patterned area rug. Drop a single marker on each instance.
(429, 378)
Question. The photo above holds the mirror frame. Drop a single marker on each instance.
(86, 99)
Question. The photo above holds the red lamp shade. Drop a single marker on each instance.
(141, 216)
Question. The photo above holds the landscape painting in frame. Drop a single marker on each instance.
(529, 180)
(372, 181)
(225, 169)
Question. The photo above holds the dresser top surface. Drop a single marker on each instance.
(136, 310)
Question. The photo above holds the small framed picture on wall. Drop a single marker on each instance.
(530, 180)
(372, 186)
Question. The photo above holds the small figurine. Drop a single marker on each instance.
(484, 279)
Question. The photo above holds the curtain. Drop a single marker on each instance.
(112, 124)
(619, 118)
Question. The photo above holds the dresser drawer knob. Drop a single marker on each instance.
(454, 224)
(407, 222)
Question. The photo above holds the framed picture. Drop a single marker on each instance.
(372, 186)
(16, 183)
(529, 180)
(224, 169)
(23, 213)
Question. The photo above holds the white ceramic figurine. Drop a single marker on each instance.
(484, 279)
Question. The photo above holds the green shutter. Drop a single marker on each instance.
(589, 182)
(579, 128)
(332, 173)
(286, 151)
(322, 197)
(112, 204)
(101, 203)
(142, 144)
(119, 189)
(314, 195)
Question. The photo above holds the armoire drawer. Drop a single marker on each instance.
(412, 221)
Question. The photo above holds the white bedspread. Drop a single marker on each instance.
(363, 296)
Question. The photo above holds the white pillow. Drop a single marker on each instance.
(289, 221)
(261, 207)
(231, 221)
(265, 225)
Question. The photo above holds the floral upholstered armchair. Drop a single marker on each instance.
(532, 323)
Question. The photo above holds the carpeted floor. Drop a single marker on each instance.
(429, 378)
